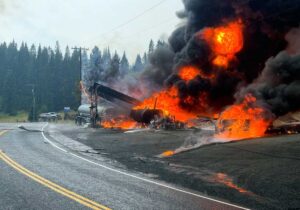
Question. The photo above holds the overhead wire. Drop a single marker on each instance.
(131, 19)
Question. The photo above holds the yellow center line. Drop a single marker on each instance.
(3, 132)
(80, 199)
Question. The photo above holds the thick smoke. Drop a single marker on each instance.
(278, 85)
(266, 24)
(160, 66)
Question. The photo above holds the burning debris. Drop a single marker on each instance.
(121, 122)
(218, 61)
(133, 117)
(245, 120)
(237, 61)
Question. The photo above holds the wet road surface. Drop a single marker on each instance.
(36, 175)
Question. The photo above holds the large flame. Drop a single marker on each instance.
(245, 120)
(169, 102)
(239, 121)
(225, 42)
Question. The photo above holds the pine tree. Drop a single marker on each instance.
(95, 67)
(138, 65)
(74, 79)
(3, 72)
(55, 76)
(106, 59)
(160, 44)
(10, 79)
(9, 89)
(145, 59)
(95, 57)
(114, 69)
(124, 65)
(151, 47)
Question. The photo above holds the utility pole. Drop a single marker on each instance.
(80, 63)
(33, 101)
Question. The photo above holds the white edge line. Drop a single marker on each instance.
(50, 142)
(136, 177)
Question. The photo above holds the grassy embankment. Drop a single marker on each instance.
(23, 117)
(19, 117)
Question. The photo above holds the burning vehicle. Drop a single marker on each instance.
(127, 112)
(239, 65)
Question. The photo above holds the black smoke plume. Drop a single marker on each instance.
(266, 24)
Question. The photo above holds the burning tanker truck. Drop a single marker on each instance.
(133, 116)
(237, 61)
(127, 116)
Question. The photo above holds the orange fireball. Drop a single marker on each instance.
(225, 42)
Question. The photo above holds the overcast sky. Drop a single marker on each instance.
(121, 24)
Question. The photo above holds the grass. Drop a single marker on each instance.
(21, 116)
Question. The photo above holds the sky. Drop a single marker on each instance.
(121, 24)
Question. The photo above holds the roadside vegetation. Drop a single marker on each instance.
(19, 117)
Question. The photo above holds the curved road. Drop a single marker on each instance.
(37, 174)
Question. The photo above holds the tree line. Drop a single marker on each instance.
(52, 77)
(104, 66)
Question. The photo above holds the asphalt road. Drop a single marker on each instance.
(34, 174)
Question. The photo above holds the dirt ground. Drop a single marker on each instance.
(261, 174)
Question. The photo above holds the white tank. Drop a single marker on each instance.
(84, 109)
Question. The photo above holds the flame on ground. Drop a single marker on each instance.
(241, 121)
(120, 123)
(226, 180)
(168, 153)
(225, 42)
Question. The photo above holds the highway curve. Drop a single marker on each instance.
(34, 174)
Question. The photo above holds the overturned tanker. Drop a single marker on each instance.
(131, 116)
(111, 94)
(144, 116)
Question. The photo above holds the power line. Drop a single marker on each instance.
(133, 18)
(162, 23)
